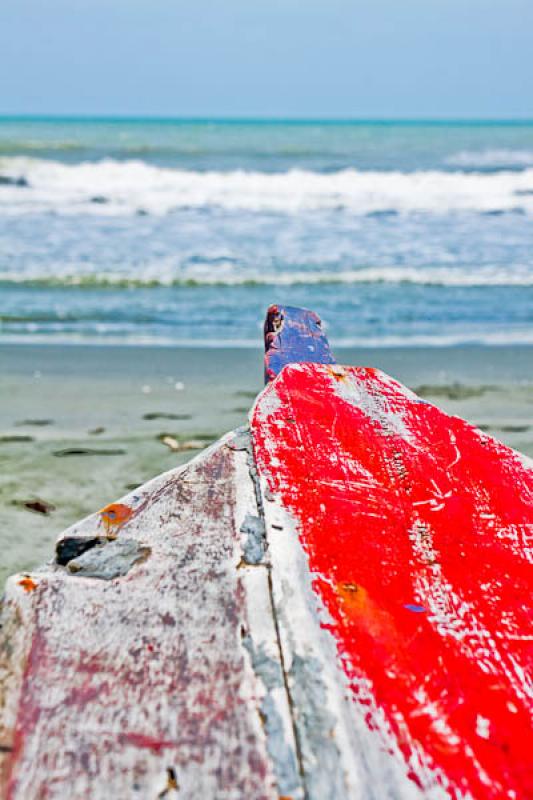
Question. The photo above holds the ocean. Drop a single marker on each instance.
(183, 232)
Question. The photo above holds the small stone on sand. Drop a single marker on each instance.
(37, 505)
(85, 451)
(171, 443)
(193, 444)
(165, 415)
(178, 447)
(36, 422)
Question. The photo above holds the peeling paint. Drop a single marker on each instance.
(293, 335)
(261, 641)
(115, 515)
(254, 545)
(282, 754)
(108, 561)
(74, 546)
(107, 684)
(28, 584)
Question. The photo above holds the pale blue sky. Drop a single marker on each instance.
(281, 58)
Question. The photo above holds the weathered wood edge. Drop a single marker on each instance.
(268, 702)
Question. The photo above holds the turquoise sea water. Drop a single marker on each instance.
(178, 231)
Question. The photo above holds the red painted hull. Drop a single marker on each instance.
(417, 529)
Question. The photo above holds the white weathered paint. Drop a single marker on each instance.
(106, 684)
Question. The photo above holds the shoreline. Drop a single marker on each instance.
(505, 362)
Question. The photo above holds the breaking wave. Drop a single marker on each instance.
(108, 187)
(135, 338)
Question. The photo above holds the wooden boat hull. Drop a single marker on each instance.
(332, 603)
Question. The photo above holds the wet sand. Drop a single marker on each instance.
(81, 425)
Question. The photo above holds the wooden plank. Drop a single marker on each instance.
(407, 607)
(293, 335)
(149, 666)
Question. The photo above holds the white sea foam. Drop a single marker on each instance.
(124, 188)
(137, 337)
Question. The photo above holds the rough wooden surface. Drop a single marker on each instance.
(293, 335)
(133, 670)
(406, 608)
(343, 616)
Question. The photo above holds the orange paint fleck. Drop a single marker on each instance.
(28, 584)
(354, 597)
(338, 373)
(358, 607)
(115, 514)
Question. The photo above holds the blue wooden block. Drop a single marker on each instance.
(293, 335)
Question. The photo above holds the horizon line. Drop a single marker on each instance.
(377, 120)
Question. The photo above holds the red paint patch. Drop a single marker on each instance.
(141, 740)
(418, 532)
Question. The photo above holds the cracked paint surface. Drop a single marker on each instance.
(417, 528)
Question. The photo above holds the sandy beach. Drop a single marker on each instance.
(82, 425)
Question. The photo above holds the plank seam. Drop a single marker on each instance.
(252, 468)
